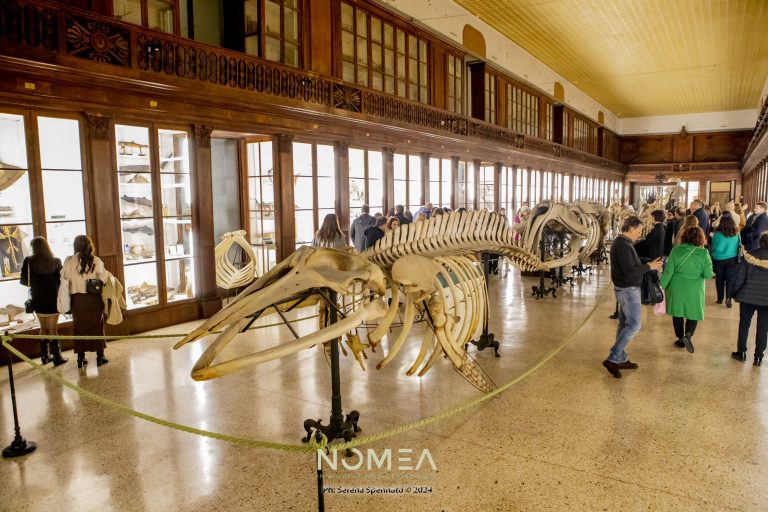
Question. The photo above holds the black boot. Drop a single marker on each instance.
(58, 360)
(44, 357)
(81, 360)
(100, 359)
(758, 361)
(739, 356)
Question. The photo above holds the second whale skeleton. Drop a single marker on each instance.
(428, 269)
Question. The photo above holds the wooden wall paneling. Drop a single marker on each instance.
(323, 29)
(202, 192)
(682, 149)
(477, 100)
(600, 141)
(388, 155)
(104, 201)
(558, 113)
(284, 203)
(542, 118)
(439, 73)
(498, 168)
(647, 150)
(342, 185)
(501, 101)
(720, 147)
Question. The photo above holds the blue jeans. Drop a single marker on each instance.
(630, 311)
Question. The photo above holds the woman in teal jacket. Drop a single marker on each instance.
(725, 251)
(688, 266)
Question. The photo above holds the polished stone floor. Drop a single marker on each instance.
(683, 432)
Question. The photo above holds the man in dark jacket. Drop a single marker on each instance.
(400, 214)
(752, 292)
(359, 225)
(669, 232)
(697, 210)
(652, 246)
(756, 225)
(627, 273)
(373, 233)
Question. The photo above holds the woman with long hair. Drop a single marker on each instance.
(690, 221)
(742, 218)
(688, 266)
(393, 223)
(41, 272)
(86, 275)
(725, 249)
(330, 234)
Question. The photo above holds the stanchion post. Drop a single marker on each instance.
(19, 446)
(320, 484)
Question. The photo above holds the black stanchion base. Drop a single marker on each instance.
(581, 269)
(486, 340)
(19, 447)
(346, 429)
(614, 316)
(542, 290)
(559, 280)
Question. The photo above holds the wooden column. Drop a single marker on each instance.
(514, 200)
(497, 170)
(202, 192)
(528, 195)
(425, 194)
(284, 204)
(388, 155)
(455, 182)
(342, 187)
(478, 163)
(102, 178)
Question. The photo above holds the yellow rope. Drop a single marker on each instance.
(139, 336)
(312, 445)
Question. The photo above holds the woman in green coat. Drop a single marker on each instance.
(687, 267)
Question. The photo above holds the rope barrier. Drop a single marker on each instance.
(312, 445)
(140, 336)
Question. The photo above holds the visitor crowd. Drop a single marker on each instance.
(688, 247)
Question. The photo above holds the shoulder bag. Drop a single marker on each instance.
(63, 300)
(29, 307)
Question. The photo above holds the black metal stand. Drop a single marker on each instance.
(542, 290)
(339, 426)
(486, 338)
(600, 256)
(615, 314)
(320, 483)
(19, 446)
(559, 279)
(581, 269)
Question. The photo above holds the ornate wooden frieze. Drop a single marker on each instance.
(28, 24)
(347, 98)
(686, 167)
(97, 41)
(98, 125)
(235, 72)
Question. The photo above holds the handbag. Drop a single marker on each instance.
(94, 286)
(63, 299)
(661, 308)
(650, 288)
(29, 307)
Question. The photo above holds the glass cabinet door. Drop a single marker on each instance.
(137, 215)
(261, 205)
(176, 194)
